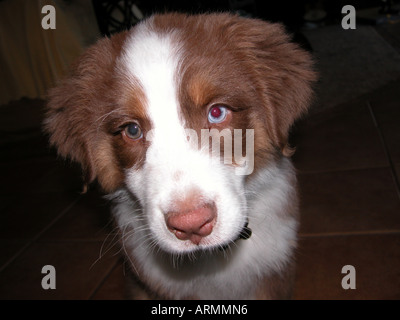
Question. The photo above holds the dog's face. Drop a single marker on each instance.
(145, 110)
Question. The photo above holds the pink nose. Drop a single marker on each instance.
(193, 224)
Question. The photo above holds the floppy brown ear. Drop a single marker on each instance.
(77, 102)
(285, 77)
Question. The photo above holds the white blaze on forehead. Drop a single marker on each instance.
(174, 168)
(153, 59)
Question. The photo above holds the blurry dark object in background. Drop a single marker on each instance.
(117, 15)
(114, 15)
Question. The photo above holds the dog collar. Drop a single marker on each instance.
(244, 235)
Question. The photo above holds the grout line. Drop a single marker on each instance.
(39, 234)
(104, 280)
(386, 149)
(15, 256)
(348, 169)
(72, 240)
(387, 42)
(348, 233)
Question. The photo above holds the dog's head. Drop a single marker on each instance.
(145, 110)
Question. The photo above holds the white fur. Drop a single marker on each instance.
(230, 274)
(153, 60)
(180, 267)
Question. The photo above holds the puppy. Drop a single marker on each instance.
(184, 121)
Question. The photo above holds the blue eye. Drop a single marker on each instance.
(133, 131)
(217, 114)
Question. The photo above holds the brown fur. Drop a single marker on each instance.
(248, 65)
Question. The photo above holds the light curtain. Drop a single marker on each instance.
(32, 58)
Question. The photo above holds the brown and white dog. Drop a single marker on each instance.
(139, 112)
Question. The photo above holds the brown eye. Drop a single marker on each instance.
(133, 131)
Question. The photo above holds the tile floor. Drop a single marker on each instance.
(348, 163)
(348, 159)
